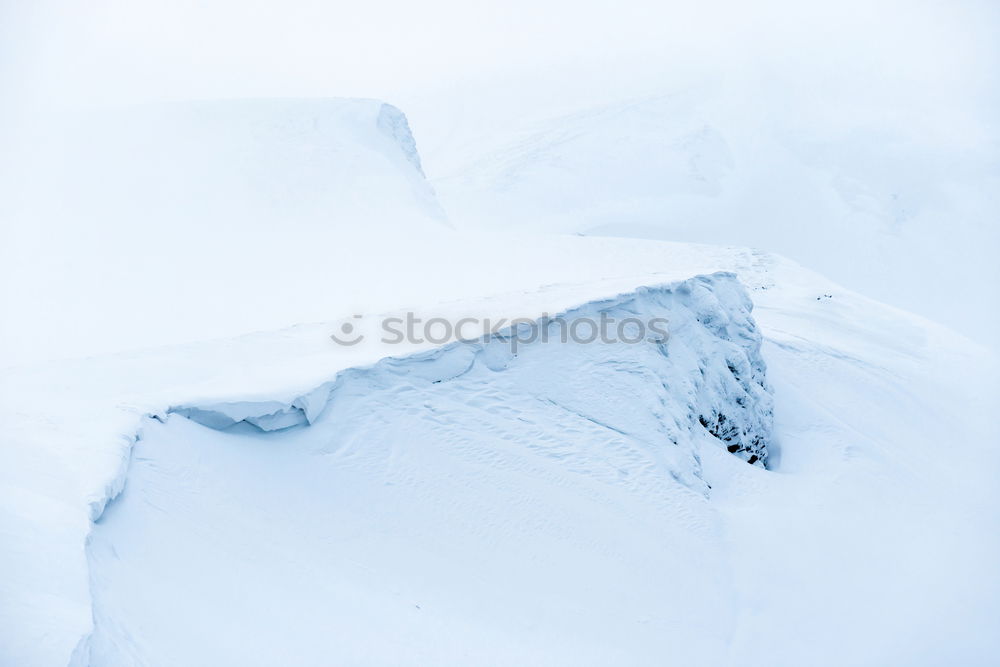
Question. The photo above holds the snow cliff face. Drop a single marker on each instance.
(481, 449)
(707, 367)
(393, 123)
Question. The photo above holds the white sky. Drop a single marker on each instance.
(434, 54)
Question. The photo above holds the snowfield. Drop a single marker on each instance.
(423, 484)
(891, 207)
(533, 510)
(167, 223)
(193, 473)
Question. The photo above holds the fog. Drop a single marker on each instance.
(932, 62)
(896, 99)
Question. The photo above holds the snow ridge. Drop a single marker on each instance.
(393, 123)
(611, 417)
(713, 373)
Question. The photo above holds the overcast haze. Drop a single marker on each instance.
(890, 104)
(925, 59)
(734, 404)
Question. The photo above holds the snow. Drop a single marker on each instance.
(500, 432)
(880, 455)
(898, 208)
(387, 504)
(713, 305)
(164, 223)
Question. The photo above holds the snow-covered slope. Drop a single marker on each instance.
(457, 460)
(570, 504)
(898, 207)
(254, 160)
(538, 503)
(176, 222)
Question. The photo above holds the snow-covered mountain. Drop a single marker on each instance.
(900, 209)
(160, 224)
(215, 451)
(796, 474)
(254, 161)
(566, 506)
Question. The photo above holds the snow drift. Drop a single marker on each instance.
(477, 522)
(710, 318)
(480, 450)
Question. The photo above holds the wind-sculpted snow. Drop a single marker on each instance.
(393, 123)
(468, 506)
(479, 448)
(707, 372)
